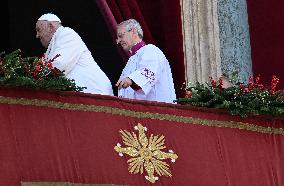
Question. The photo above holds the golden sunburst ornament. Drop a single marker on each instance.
(146, 153)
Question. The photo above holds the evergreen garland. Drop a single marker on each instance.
(33, 72)
(240, 99)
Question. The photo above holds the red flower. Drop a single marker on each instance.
(213, 82)
(188, 94)
(49, 65)
(242, 87)
(43, 69)
(220, 83)
(257, 79)
(274, 83)
(261, 86)
(250, 84)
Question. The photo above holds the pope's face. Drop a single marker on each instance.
(43, 33)
(125, 38)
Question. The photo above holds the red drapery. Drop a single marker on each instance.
(161, 23)
(70, 137)
(266, 21)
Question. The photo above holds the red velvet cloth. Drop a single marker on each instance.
(162, 26)
(50, 142)
(164, 20)
(111, 24)
(126, 9)
(266, 23)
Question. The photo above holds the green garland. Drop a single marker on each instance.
(239, 99)
(33, 72)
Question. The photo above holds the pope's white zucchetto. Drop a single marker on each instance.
(49, 17)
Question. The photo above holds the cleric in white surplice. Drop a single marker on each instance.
(75, 58)
(147, 74)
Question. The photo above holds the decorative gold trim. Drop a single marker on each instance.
(63, 184)
(141, 115)
(146, 153)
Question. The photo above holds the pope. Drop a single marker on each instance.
(75, 59)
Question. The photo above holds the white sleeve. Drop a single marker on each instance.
(148, 70)
(69, 46)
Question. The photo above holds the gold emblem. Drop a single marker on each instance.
(146, 153)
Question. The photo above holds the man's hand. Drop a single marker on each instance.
(124, 83)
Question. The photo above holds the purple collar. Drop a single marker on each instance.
(136, 47)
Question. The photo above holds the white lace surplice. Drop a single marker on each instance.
(150, 70)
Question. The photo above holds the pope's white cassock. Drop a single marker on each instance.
(151, 71)
(77, 62)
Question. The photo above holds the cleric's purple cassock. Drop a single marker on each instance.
(150, 70)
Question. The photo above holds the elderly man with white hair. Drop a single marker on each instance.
(147, 74)
(75, 59)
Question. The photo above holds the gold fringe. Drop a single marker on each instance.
(62, 184)
(141, 115)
